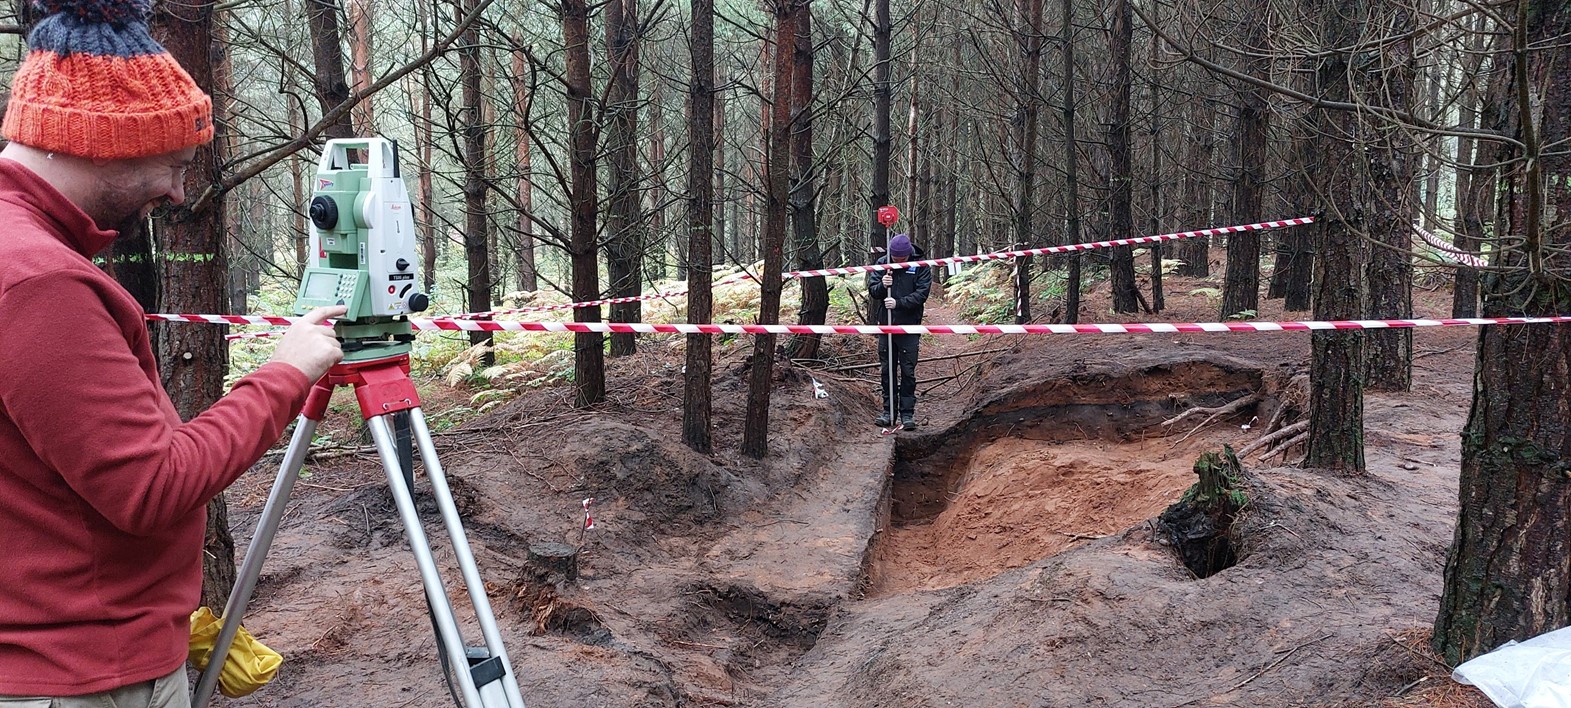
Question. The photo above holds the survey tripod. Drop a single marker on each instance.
(379, 372)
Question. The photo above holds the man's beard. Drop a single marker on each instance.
(130, 226)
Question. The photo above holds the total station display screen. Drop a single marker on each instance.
(321, 286)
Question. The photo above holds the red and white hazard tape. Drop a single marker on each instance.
(1110, 328)
(225, 319)
(737, 278)
(1449, 251)
(850, 270)
(252, 335)
(1119, 328)
(230, 319)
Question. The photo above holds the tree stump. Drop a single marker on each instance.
(1201, 523)
(547, 591)
(556, 561)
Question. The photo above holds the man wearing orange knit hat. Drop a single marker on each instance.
(103, 489)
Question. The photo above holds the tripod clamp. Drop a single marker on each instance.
(382, 388)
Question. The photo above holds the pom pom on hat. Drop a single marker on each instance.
(900, 246)
(95, 84)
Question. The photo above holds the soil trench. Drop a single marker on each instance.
(1036, 471)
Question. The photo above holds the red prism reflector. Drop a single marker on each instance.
(888, 215)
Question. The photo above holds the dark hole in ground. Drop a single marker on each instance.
(1200, 525)
(1045, 466)
(1205, 549)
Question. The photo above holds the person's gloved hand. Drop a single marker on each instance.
(889, 303)
(889, 279)
(309, 346)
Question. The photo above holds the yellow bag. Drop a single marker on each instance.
(248, 666)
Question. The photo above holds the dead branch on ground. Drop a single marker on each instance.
(1290, 433)
(1214, 411)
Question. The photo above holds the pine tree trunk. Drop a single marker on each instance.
(193, 270)
(299, 176)
(657, 241)
(1198, 185)
(840, 197)
(361, 74)
(877, 235)
(1121, 207)
(425, 141)
(588, 347)
(696, 391)
(1433, 162)
(804, 185)
(755, 429)
(332, 86)
(1336, 379)
(1241, 284)
(913, 142)
(624, 222)
(1295, 256)
(1506, 575)
(967, 239)
(524, 241)
(723, 226)
(1071, 165)
(948, 241)
(757, 191)
(1028, 34)
(1475, 186)
(1389, 355)
(477, 224)
(1157, 206)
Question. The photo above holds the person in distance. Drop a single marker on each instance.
(898, 296)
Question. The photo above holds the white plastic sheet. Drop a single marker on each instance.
(1531, 674)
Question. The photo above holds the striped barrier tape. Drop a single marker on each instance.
(1109, 328)
(1119, 328)
(1220, 230)
(252, 335)
(736, 278)
(1449, 251)
(851, 270)
(226, 319)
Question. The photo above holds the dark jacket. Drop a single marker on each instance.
(910, 292)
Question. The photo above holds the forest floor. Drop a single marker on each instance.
(1004, 554)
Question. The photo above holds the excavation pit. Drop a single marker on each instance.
(1043, 467)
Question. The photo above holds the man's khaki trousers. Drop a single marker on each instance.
(166, 692)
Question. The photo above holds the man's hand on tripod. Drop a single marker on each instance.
(309, 346)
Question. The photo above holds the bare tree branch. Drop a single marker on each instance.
(1403, 117)
(277, 155)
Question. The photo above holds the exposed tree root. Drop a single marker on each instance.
(1284, 447)
(1292, 434)
(1215, 412)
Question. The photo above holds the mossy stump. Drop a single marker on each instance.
(1200, 525)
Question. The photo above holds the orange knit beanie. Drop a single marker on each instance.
(95, 84)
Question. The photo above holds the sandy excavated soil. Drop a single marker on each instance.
(1004, 555)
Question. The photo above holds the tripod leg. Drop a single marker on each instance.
(436, 592)
(466, 559)
(255, 554)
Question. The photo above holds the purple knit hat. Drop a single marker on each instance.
(900, 246)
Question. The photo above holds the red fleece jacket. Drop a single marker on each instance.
(103, 490)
